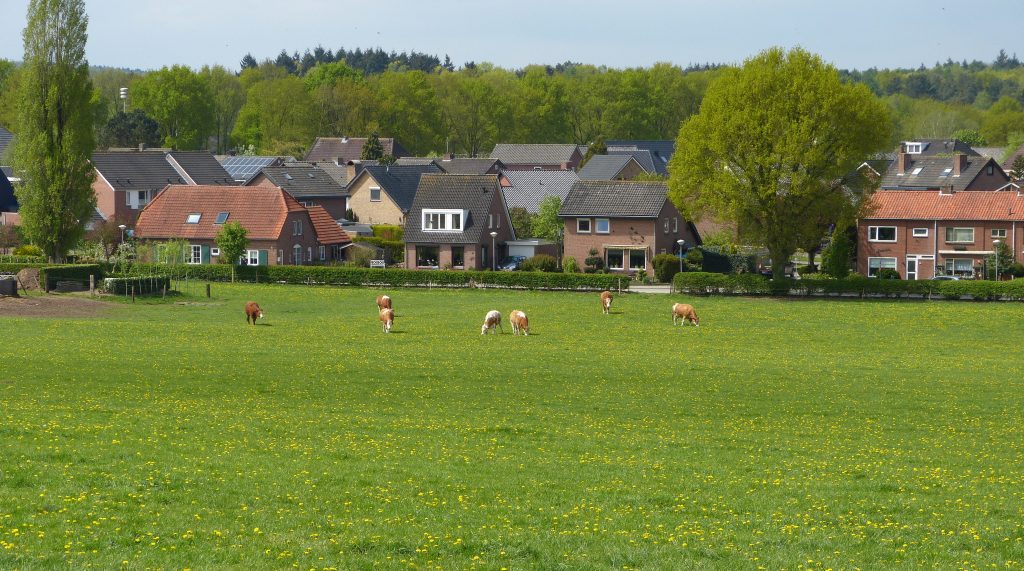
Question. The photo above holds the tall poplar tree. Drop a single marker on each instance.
(55, 133)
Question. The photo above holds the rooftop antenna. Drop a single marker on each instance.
(124, 99)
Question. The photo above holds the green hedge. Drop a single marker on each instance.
(7, 259)
(140, 285)
(703, 283)
(70, 273)
(726, 262)
(337, 275)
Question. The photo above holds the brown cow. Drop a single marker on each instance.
(387, 318)
(491, 321)
(383, 302)
(253, 312)
(606, 302)
(519, 322)
(686, 312)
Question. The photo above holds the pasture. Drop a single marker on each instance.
(778, 434)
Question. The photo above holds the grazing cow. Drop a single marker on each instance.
(606, 302)
(519, 322)
(253, 312)
(491, 321)
(387, 318)
(383, 302)
(685, 312)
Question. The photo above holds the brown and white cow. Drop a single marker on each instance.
(606, 302)
(685, 312)
(519, 322)
(492, 321)
(253, 312)
(387, 318)
(383, 302)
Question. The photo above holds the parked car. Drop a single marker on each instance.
(511, 263)
(946, 278)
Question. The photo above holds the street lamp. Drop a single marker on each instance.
(494, 253)
(681, 243)
(122, 227)
(995, 247)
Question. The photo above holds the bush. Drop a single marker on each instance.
(52, 275)
(394, 250)
(540, 263)
(721, 260)
(835, 260)
(594, 262)
(570, 266)
(695, 258)
(137, 285)
(28, 250)
(666, 266)
(1016, 270)
(888, 274)
(388, 232)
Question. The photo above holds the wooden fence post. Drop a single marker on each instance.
(207, 290)
(92, 285)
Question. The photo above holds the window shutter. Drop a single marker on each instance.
(205, 254)
(263, 257)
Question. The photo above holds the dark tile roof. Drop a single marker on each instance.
(528, 188)
(615, 199)
(262, 210)
(453, 191)
(534, 154)
(470, 166)
(134, 170)
(6, 138)
(936, 147)
(935, 172)
(7, 201)
(661, 151)
(344, 149)
(642, 156)
(605, 167)
(400, 182)
(201, 166)
(303, 180)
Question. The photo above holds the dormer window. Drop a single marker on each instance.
(914, 148)
(193, 218)
(437, 220)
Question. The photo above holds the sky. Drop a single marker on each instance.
(851, 34)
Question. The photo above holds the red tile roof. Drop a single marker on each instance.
(261, 210)
(930, 205)
(327, 230)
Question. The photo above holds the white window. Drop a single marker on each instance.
(999, 232)
(960, 235)
(583, 225)
(666, 225)
(490, 221)
(297, 255)
(914, 148)
(193, 218)
(920, 232)
(296, 227)
(615, 258)
(443, 220)
(875, 264)
(989, 170)
(323, 253)
(251, 258)
(638, 259)
(881, 233)
(374, 194)
(309, 253)
(675, 225)
(214, 251)
(195, 254)
(960, 267)
(602, 226)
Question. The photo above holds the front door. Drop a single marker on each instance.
(911, 268)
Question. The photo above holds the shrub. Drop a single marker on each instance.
(1016, 270)
(137, 285)
(836, 257)
(28, 250)
(394, 251)
(570, 266)
(721, 260)
(695, 258)
(540, 263)
(888, 274)
(666, 266)
(388, 232)
(594, 262)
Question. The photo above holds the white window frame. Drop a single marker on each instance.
(323, 252)
(952, 270)
(579, 229)
(920, 232)
(251, 257)
(309, 253)
(675, 224)
(195, 254)
(882, 264)
(297, 259)
(999, 233)
(214, 252)
(625, 259)
(629, 260)
(607, 226)
(956, 228)
(193, 218)
(666, 225)
(873, 232)
(378, 191)
(297, 227)
(914, 148)
(445, 219)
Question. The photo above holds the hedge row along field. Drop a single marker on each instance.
(702, 283)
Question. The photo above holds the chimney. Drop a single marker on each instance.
(142, 146)
(946, 190)
(901, 161)
(959, 163)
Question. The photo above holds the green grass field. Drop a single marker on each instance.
(778, 434)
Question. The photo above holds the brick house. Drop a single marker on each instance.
(451, 221)
(342, 150)
(538, 156)
(280, 230)
(307, 183)
(922, 234)
(922, 165)
(626, 222)
(655, 153)
(384, 194)
(128, 180)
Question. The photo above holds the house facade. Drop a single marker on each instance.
(280, 230)
(384, 194)
(924, 234)
(626, 222)
(451, 221)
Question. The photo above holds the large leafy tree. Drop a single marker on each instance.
(129, 130)
(228, 98)
(55, 131)
(773, 146)
(181, 102)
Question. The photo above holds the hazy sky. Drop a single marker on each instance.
(849, 33)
